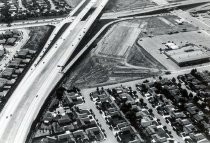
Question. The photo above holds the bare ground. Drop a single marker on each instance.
(73, 3)
(38, 37)
(101, 69)
(119, 5)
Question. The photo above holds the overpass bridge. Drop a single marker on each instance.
(127, 13)
(26, 101)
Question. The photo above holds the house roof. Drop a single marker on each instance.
(197, 117)
(64, 119)
(8, 72)
(14, 63)
(179, 114)
(192, 110)
(190, 128)
(11, 40)
(23, 52)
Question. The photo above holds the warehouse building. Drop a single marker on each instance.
(187, 56)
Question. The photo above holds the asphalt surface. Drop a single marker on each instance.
(90, 105)
(26, 101)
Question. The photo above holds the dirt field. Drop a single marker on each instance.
(139, 57)
(116, 58)
(73, 3)
(119, 5)
(38, 36)
(93, 71)
(118, 40)
(163, 25)
(172, 1)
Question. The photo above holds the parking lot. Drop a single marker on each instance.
(153, 45)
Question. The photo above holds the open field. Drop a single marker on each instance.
(92, 71)
(73, 3)
(115, 58)
(152, 45)
(123, 35)
(139, 57)
(160, 25)
(38, 36)
(119, 5)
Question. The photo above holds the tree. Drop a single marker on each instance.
(125, 107)
(161, 97)
(195, 99)
(179, 85)
(164, 127)
(193, 71)
(184, 93)
(97, 89)
(141, 100)
(191, 95)
(158, 85)
(60, 92)
(144, 88)
(173, 80)
(75, 89)
(150, 111)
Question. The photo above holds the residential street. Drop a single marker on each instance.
(90, 105)
(162, 120)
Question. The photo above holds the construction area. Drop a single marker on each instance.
(120, 5)
(137, 48)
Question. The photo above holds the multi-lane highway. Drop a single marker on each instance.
(126, 13)
(25, 103)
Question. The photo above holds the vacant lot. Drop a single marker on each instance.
(73, 3)
(93, 71)
(115, 58)
(139, 57)
(119, 5)
(118, 40)
(38, 37)
(165, 24)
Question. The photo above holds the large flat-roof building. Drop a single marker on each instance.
(189, 55)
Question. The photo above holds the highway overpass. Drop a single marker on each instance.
(24, 105)
(127, 13)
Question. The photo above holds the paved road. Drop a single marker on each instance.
(194, 21)
(26, 101)
(162, 120)
(115, 15)
(90, 105)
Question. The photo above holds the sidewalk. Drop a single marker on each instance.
(90, 105)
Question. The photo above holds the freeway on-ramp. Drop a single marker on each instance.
(24, 105)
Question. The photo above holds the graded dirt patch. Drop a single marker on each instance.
(118, 40)
(120, 5)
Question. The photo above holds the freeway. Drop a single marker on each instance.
(116, 15)
(25, 103)
(41, 22)
(58, 26)
(31, 23)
